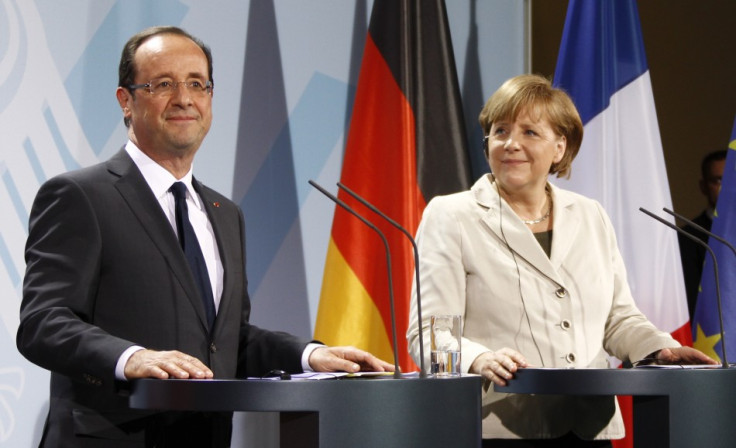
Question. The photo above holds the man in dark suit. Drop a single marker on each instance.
(691, 253)
(109, 295)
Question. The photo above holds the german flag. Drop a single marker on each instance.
(406, 144)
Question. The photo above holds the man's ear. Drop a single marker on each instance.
(124, 98)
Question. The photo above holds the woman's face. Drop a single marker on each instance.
(521, 152)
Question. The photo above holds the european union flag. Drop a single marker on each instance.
(706, 325)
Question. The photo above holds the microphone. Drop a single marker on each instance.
(397, 372)
(375, 210)
(702, 229)
(715, 273)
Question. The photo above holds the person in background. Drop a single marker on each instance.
(135, 269)
(691, 253)
(536, 273)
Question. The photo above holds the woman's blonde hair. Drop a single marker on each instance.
(535, 95)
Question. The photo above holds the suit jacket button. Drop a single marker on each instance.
(213, 348)
(561, 293)
(92, 379)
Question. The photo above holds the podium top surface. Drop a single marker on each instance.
(635, 381)
(293, 395)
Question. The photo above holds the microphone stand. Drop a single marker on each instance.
(374, 209)
(397, 371)
(715, 273)
(701, 228)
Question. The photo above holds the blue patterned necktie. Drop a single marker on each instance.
(192, 250)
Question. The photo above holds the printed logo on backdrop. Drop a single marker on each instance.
(13, 62)
(58, 73)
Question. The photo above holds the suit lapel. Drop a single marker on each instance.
(567, 226)
(508, 228)
(137, 194)
(225, 239)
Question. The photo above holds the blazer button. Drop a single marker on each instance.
(570, 358)
(561, 293)
(565, 324)
(213, 348)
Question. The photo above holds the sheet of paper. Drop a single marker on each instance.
(679, 366)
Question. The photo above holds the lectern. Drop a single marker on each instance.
(678, 408)
(356, 412)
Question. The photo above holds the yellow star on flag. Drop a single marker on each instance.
(707, 344)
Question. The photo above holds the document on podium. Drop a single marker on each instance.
(316, 376)
(346, 375)
(679, 366)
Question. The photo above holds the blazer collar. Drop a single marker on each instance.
(501, 220)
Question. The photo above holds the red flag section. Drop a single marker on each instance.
(406, 144)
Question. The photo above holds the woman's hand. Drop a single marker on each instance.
(683, 355)
(498, 366)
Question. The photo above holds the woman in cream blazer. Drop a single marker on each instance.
(482, 256)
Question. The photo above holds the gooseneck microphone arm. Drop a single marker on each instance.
(715, 273)
(375, 210)
(702, 229)
(397, 371)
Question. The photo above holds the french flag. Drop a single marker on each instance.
(602, 65)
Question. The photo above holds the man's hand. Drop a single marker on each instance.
(163, 365)
(346, 359)
(683, 355)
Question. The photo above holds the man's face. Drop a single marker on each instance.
(173, 124)
(711, 185)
